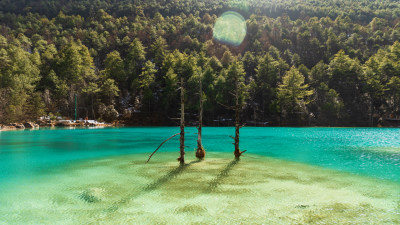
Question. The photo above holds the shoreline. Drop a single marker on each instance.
(123, 126)
(8, 128)
(56, 124)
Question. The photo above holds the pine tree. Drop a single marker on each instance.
(293, 93)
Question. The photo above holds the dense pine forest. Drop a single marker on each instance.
(309, 62)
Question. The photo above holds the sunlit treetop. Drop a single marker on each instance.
(230, 28)
(239, 4)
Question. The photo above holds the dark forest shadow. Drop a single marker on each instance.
(153, 186)
(213, 185)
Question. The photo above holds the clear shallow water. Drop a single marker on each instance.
(365, 151)
(98, 176)
(218, 190)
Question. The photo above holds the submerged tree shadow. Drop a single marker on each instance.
(152, 186)
(167, 177)
(213, 185)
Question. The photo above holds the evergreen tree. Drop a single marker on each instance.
(146, 83)
(109, 90)
(293, 93)
(19, 75)
(114, 68)
(267, 74)
(236, 78)
(135, 59)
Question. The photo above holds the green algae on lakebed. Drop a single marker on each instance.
(218, 190)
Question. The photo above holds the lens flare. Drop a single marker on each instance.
(230, 28)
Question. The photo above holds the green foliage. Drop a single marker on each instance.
(19, 75)
(74, 64)
(133, 53)
(158, 50)
(345, 77)
(114, 67)
(330, 106)
(235, 83)
(109, 90)
(227, 59)
(34, 107)
(169, 97)
(91, 89)
(146, 82)
(146, 78)
(394, 91)
(266, 80)
(135, 58)
(293, 93)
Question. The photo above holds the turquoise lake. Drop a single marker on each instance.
(366, 151)
(287, 176)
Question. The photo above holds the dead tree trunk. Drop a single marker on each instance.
(200, 153)
(181, 159)
(238, 108)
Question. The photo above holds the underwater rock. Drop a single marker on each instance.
(92, 195)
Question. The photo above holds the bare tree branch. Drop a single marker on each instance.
(228, 107)
(161, 145)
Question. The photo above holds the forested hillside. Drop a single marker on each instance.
(309, 62)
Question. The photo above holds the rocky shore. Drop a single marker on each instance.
(55, 123)
(19, 126)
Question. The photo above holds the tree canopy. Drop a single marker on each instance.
(302, 62)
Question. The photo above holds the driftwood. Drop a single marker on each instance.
(161, 145)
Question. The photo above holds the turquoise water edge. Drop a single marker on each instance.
(365, 151)
(287, 176)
